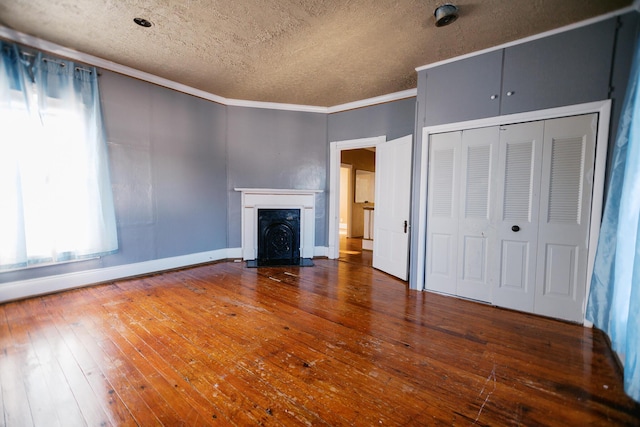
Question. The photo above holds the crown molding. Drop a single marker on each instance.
(56, 49)
(396, 96)
(634, 7)
(275, 106)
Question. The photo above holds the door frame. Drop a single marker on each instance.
(603, 108)
(335, 150)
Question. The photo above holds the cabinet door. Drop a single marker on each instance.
(476, 219)
(565, 213)
(565, 69)
(517, 215)
(462, 90)
(442, 212)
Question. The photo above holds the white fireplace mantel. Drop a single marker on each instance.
(272, 198)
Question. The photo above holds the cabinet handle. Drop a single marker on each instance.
(515, 228)
(494, 96)
(405, 227)
(511, 92)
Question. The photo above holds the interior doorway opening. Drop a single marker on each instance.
(357, 201)
(390, 184)
(335, 163)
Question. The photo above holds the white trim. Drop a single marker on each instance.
(45, 285)
(335, 149)
(320, 251)
(234, 253)
(275, 191)
(47, 46)
(254, 199)
(603, 108)
(275, 106)
(409, 93)
(555, 31)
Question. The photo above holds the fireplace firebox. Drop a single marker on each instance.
(278, 237)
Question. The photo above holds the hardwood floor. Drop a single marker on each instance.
(351, 251)
(335, 344)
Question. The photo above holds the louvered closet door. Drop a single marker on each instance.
(442, 212)
(565, 211)
(476, 231)
(517, 215)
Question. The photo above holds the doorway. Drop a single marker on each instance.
(392, 193)
(357, 199)
(336, 149)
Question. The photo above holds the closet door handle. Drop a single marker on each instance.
(405, 227)
(515, 228)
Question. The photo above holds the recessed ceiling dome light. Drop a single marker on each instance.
(445, 14)
(142, 22)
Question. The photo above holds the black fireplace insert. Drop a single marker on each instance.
(279, 238)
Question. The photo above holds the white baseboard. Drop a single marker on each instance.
(234, 253)
(45, 285)
(322, 251)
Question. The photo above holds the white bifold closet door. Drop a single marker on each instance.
(508, 214)
(518, 192)
(565, 214)
(442, 213)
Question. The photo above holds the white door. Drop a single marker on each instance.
(565, 201)
(461, 230)
(519, 169)
(442, 212)
(476, 221)
(391, 214)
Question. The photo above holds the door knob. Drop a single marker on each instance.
(515, 228)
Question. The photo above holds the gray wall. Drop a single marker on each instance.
(168, 170)
(393, 119)
(276, 149)
(626, 44)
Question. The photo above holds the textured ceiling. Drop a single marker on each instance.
(309, 52)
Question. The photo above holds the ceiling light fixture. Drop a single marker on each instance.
(142, 22)
(445, 14)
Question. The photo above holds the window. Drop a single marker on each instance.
(55, 197)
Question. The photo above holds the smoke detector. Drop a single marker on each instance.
(445, 14)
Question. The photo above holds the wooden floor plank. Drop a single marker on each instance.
(16, 405)
(95, 371)
(65, 353)
(334, 344)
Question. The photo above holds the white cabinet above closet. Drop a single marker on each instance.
(564, 69)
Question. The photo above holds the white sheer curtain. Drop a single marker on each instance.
(55, 196)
